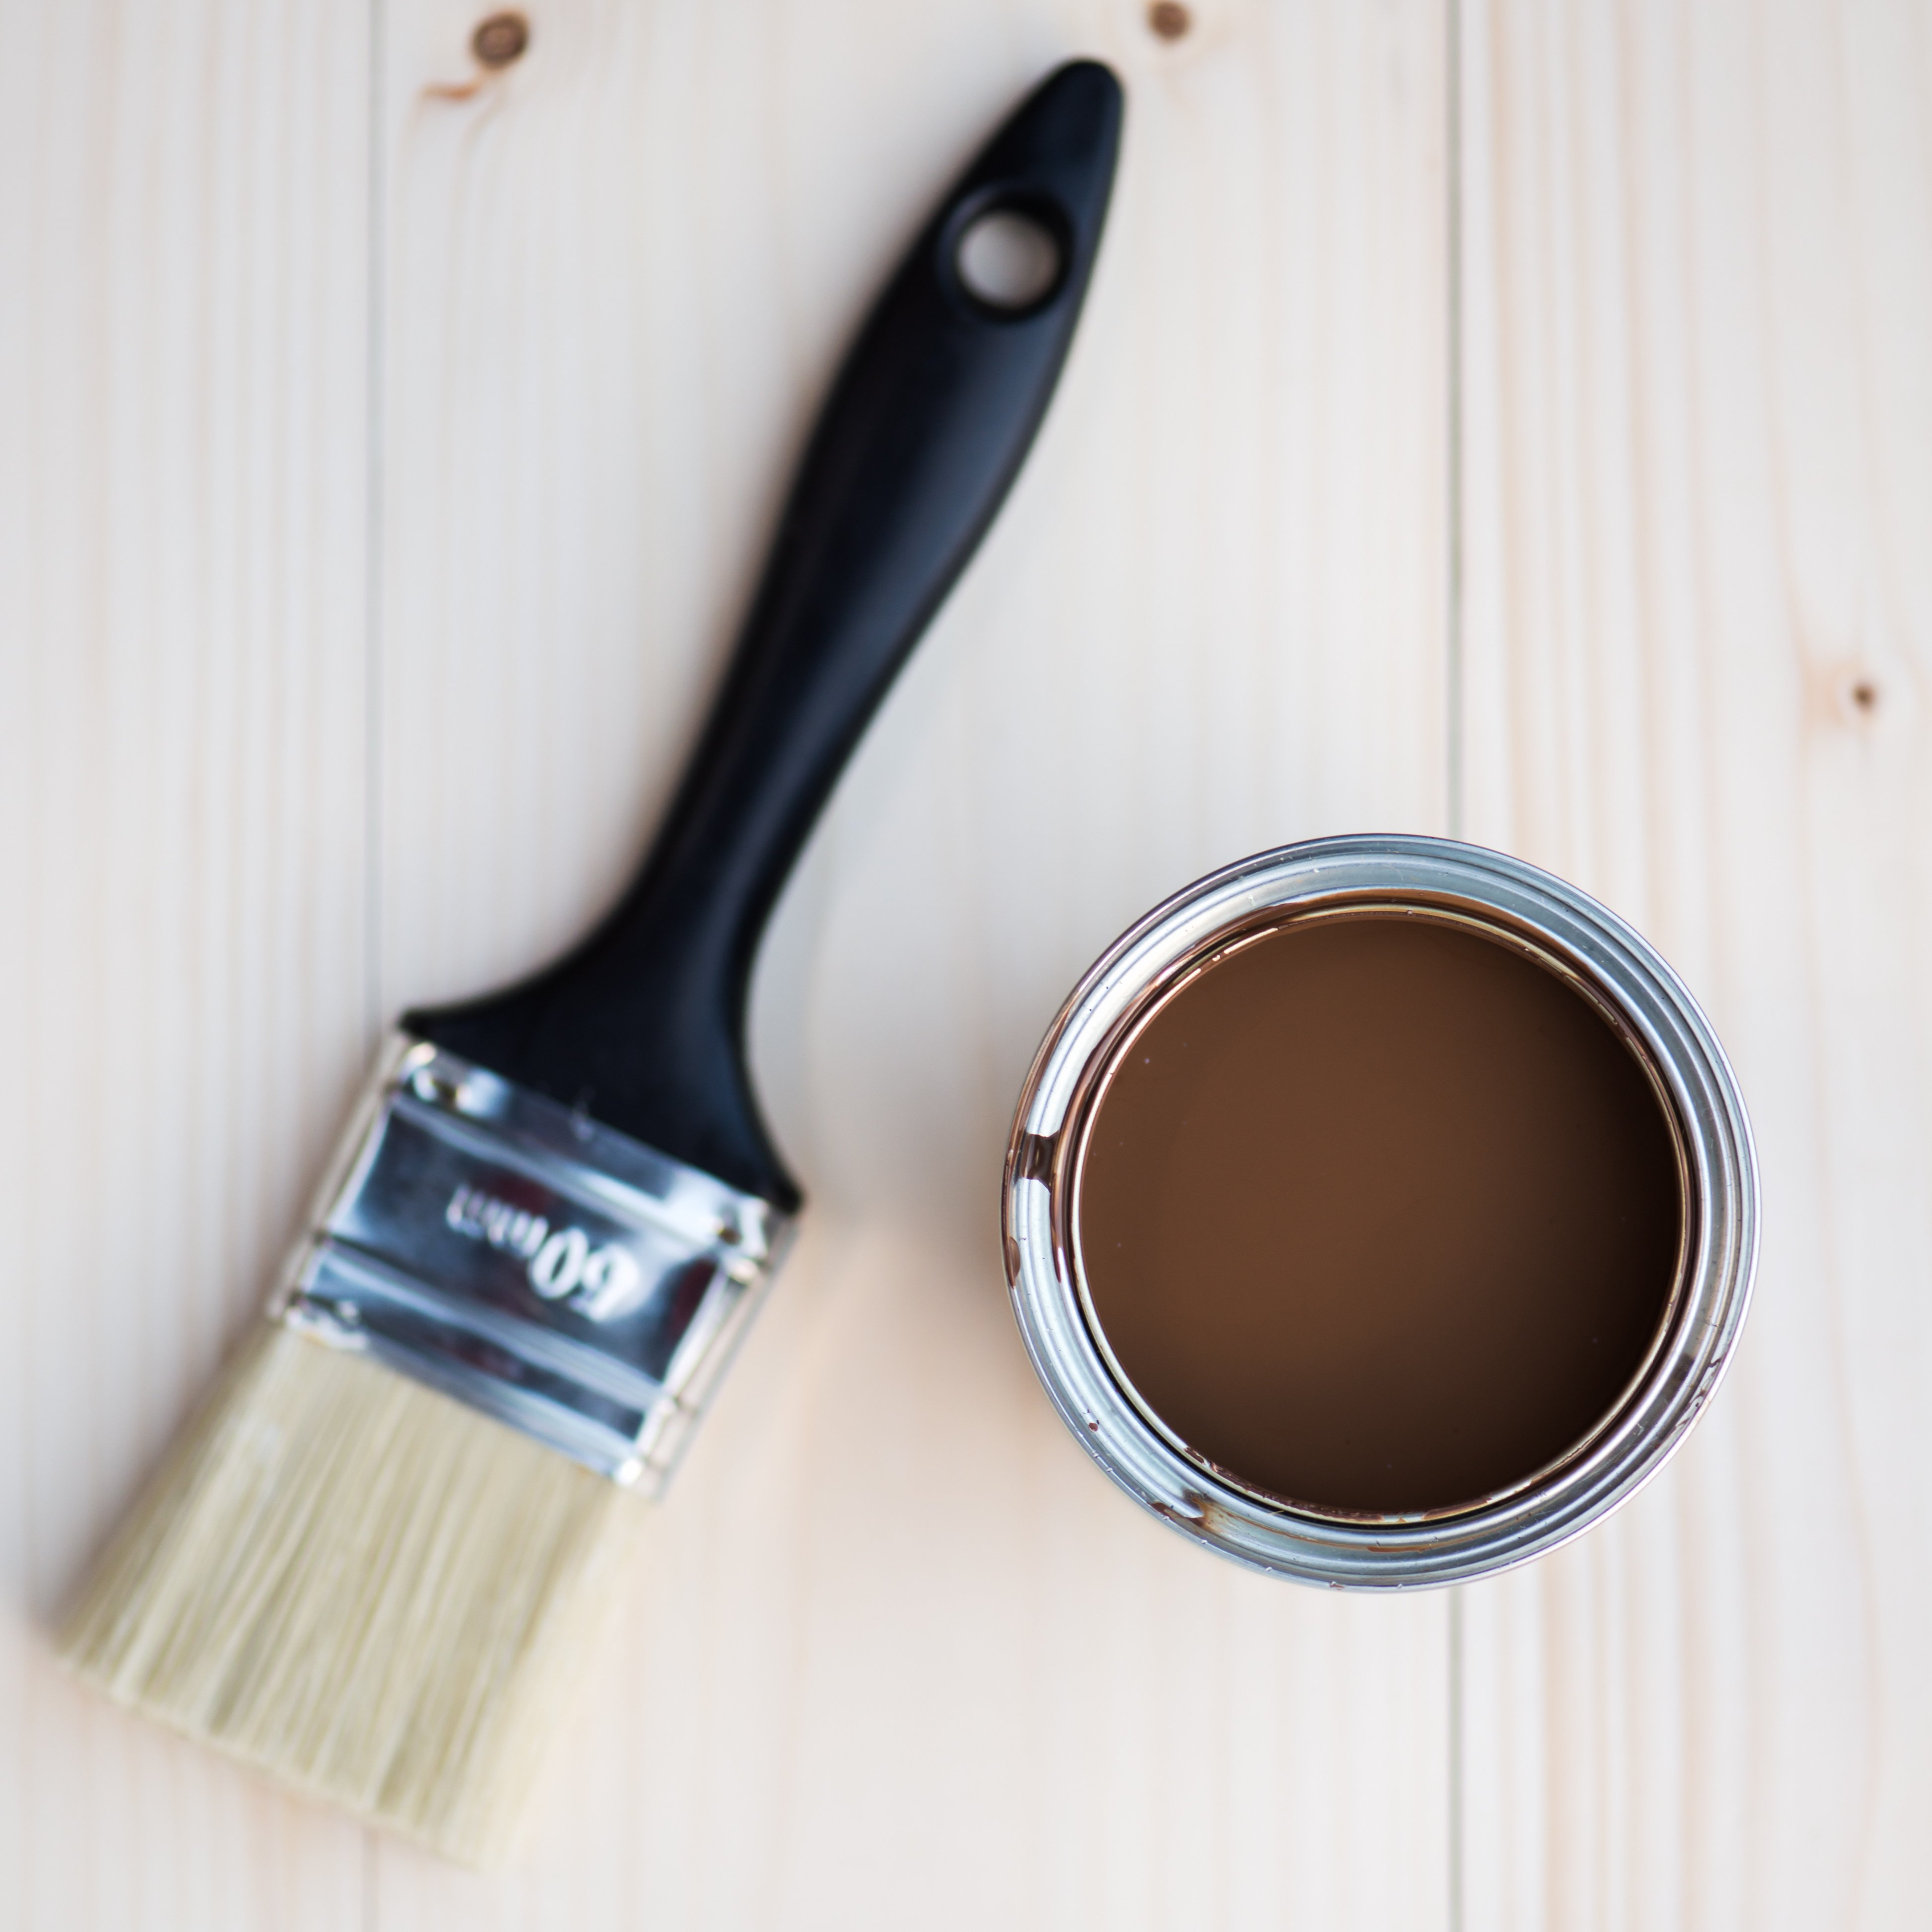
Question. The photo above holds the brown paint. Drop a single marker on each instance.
(1378, 1215)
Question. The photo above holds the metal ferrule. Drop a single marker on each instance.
(543, 1268)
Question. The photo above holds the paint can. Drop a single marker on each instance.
(1457, 889)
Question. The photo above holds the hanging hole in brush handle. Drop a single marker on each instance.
(1008, 258)
(926, 426)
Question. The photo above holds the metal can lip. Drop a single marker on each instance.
(1623, 976)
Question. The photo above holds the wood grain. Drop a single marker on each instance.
(182, 735)
(898, 1653)
(376, 501)
(1698, 271)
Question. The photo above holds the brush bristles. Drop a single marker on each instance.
(364, 1588)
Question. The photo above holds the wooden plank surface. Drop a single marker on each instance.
(898, 1652)
(896, 1640)
(1698, 405)
(379, 494)
(183, 386)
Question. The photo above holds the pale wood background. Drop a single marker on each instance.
(1512, 418)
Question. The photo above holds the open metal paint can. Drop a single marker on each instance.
(1452, 896)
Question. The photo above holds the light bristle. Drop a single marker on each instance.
(366, 1589)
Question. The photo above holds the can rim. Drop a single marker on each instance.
(1625, 977)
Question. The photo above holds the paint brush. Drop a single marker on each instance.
(373, 1562)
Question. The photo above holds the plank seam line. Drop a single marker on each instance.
(375, 457)
(1452, 135)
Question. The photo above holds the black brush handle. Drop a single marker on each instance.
(643, 1025)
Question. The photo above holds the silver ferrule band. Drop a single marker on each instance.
(529, 1262)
